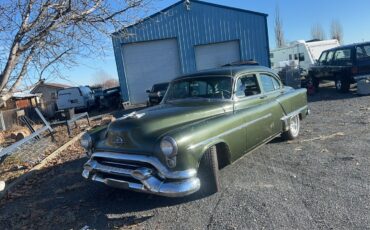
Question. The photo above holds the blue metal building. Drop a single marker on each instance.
(184, 38)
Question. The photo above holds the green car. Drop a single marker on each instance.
(206, 121)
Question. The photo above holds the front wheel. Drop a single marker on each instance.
(294, 126)
(208, 173)
(315, 83)
(342, 85)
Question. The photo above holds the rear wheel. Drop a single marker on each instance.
(294, 126)
(342, 85)
(208, 173)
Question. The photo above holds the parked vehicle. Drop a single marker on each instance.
(300, 54)
(111, 98)
(75, 97)
(206, 121)
(155, 95)
(344, 65)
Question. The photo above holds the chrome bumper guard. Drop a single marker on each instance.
(286, 119)
(128, 172)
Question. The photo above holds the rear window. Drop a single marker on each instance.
(69, 91)
(363, 52)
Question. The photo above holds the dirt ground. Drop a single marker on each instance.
(319, 181)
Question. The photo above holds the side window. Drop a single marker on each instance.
(269, 83)
(323, 57)
(330, 56)
(363, 52)
(342, 56)
(276, 83)
(53, 95)
(247, 86)
(301, 56)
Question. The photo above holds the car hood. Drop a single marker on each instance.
(140, 131)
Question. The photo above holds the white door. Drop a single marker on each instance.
(217, 54)
(147, 63)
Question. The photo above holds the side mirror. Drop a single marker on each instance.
(147, 91)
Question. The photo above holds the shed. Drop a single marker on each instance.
(49, 92)
(184, 38)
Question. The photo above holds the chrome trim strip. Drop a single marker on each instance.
(189, 173)
(286, 118)
(94, 165)
(295, 112)
(230, 131)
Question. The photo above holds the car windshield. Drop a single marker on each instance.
(207, 87)
(160, 87)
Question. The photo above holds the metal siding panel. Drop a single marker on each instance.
(120, 66)
(203, 24)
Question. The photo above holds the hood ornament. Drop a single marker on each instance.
(134, 115)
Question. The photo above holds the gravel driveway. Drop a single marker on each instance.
(319, 181)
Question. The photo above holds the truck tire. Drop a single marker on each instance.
(342, 85)
(208, 173)
(294, 126)
(315, 83)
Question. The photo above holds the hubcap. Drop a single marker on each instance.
(339, 84)
(294, 126)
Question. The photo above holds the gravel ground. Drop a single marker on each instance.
(319, 181)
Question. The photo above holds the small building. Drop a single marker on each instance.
(23, 102)
(183, 38)
(48, 92)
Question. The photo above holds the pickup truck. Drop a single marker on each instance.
(206, 121)
(344, 65)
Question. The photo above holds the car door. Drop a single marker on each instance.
(249, 106)
(327, 70)
(272, 88)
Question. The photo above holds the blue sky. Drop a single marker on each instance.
(298, 18)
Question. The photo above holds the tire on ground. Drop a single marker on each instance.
(315, 82)
(208, 173)
(342, 84)
(294, 126)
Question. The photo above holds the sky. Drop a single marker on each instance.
(298, 17)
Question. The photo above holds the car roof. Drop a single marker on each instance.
(348, 46)
(231, 71)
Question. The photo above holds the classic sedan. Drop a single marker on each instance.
(206, 121)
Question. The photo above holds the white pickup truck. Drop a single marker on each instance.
(76, 97)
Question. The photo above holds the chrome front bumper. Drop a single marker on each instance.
(140, 173)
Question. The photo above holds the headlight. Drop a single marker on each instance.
(168, 146)
(86, 142)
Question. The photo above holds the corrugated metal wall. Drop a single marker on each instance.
(204, 23)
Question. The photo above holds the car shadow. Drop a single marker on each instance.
(327, 92)
(60, 195)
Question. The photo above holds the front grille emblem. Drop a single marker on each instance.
(119, 140)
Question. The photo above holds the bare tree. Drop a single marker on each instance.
(105, 80)
(336, 30)
(44, 35)
(108, 83)
(279, 33)
(317, 32)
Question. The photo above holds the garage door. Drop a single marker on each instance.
(217, 54)
(147, 63)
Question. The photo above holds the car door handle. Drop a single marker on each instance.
(263, 97)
